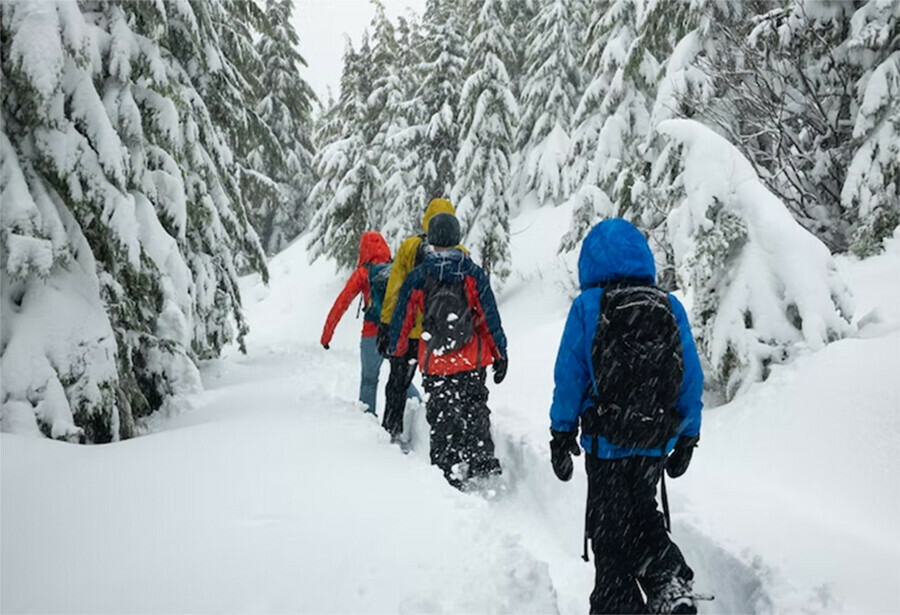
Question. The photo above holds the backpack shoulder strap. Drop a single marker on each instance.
(420, 249)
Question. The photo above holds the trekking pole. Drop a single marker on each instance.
(665, 498)
(587, 516)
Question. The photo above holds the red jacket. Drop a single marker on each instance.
(373, 250)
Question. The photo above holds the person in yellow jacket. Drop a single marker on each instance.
(409, 255)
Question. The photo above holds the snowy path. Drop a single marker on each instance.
(275, 493)
(271, 496)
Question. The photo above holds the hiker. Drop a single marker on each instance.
(628, 370)
(461, 336)
(370, 279)
(403, 368)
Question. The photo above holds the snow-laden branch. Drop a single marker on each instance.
(762, 287)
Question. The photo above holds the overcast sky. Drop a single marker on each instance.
(322, 24)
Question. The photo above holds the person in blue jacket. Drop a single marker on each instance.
(629, 539)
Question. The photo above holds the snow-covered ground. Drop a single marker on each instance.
(271, 491)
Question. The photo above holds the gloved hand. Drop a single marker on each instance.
(678, 461)
(326, 346)
(382, 340)
(500, 366)
(563, 445)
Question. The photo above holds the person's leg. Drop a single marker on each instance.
(615, 586)
(402, 371)
(370, 362)
(442, 413)
(662, 571)
(478, 446)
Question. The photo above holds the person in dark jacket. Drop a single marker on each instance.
(630, 543)
(373, 250)
(403, 368)
(453, 373)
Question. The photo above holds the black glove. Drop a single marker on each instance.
(563, 445)
(326, 346)
(381, 341)
(500, 366)
(678, 461)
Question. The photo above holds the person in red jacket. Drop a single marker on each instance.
(374, 254)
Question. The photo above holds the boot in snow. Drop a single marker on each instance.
(675, 597)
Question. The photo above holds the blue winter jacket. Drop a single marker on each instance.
(614, 249)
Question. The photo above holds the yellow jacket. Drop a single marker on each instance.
(405, 261)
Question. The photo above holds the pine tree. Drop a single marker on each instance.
(388, 121)
(549, 98)
(488, 116)
(609, 120)
(347, 196)
(120, 212)
(403, 191)
(520, 18)
(443, 52)
(283, 168)
(871, 191)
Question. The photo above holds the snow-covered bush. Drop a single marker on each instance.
(761, 287)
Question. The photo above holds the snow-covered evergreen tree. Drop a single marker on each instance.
(404, 193)
(520, 15)
(488, 115)
(347, 198)
(388, 119)
(762, 287)
(610, 118)
(121, 218)
(871, 191)
(785, 97)
(283, 167)
(443, 61)
(548, 101)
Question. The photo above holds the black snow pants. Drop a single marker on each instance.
(460, 420)
(628, 535)
(402, 371)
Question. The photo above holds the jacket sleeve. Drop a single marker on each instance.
(690, 398)
(404, 262)
(572, 375)
(355, 285)
(405, 315)
(488, 304)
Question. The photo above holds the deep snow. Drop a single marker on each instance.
(271, 491)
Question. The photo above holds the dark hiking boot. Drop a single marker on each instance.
(675, 597)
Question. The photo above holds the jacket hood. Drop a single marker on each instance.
(447, 265)
(614, 249)
(436, 206)
(373, 249)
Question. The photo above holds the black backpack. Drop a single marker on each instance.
(448, 324)
(638, 367)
